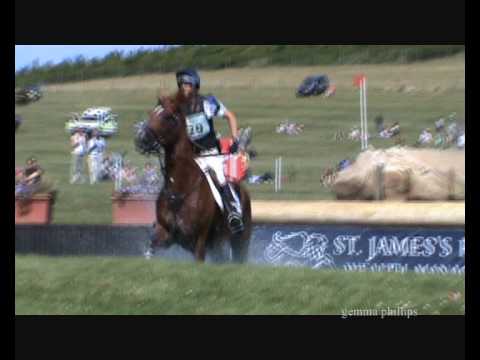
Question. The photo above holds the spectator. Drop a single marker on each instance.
(332, 90)
(453, 132)
(354, 134)
(390, 132)
(342, 165)
(461, 141)
(129, 174)
(28, 180)
(150, 175)
(32, 172)
(78, 142)
(289, 128)
(106, 167)
(96, 150)
(440, 125)
(425, 137)
(379, 124)
(394, 129)
(266, 178)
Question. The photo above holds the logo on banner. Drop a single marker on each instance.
(426, 253)
(299, 248)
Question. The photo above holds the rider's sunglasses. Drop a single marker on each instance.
(186, 79)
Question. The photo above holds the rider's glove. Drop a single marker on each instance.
(234, 147)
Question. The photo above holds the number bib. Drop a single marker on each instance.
(197, 126)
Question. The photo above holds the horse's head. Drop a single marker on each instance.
(165, 128)
(166, 122)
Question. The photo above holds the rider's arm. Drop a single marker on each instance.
(216, 108)
(232, 122)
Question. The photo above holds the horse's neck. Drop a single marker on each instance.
(180, 166)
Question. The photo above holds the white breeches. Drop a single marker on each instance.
(214, 163)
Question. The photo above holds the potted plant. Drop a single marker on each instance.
(133, 209)
(134, 197)
(34, 205)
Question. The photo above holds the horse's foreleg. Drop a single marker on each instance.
(200, 253)
(150, 246)
(200, 245)
(158, 238)
(240, 244)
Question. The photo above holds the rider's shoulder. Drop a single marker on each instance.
(211, 99)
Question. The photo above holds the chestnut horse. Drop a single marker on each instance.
(186, 211)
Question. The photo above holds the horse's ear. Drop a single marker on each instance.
(164, 101)
(168, 103)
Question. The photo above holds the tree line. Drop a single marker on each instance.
(145, 61)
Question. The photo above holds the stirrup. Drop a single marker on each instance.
(235, 223)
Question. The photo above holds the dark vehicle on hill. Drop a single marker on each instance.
(313, 86)
(28, 95)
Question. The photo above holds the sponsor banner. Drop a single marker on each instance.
(350, 248)
(359, 248)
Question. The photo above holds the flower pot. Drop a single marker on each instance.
(34, 210)
(133, 209)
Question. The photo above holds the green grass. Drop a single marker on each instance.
(261, 105)
(128, 286)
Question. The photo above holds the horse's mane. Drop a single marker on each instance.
(173, 103)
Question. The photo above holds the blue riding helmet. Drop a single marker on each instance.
(188, 76)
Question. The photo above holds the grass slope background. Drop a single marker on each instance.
(261, 98)
(128, 286)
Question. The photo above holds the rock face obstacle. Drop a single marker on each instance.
(403, 174)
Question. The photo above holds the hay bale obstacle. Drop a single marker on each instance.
(403, 174)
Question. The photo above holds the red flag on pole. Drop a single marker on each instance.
(358, 80)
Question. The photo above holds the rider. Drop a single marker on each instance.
(199, 112)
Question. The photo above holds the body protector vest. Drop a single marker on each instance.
(199, 115)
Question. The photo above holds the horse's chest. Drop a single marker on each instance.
(178, 219)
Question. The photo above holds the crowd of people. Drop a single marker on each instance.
(290, 128)
(266, 178)
(445, 135)
(91, 149)
(134, 182)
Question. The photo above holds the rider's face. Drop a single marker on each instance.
(187, 90)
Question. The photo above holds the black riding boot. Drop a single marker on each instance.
(234, 218)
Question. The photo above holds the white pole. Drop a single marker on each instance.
(276, 175)
(365, 112)
(280, 177)
(361, 117)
